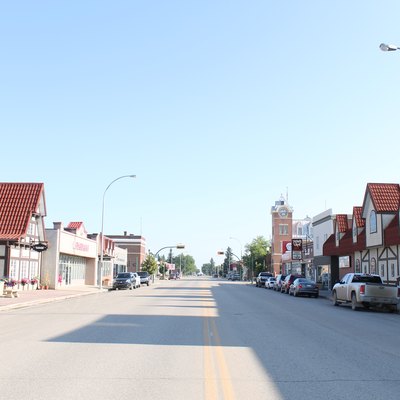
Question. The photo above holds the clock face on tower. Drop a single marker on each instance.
(283, 212)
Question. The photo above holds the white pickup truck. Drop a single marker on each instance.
(366, 290)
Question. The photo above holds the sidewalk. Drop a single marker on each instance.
(28, 298)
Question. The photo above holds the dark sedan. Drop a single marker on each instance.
(288, 281)
(124, 280)
(303, 286)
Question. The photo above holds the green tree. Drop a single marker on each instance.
(209, 268)
(257, 255)
(185, 263)
(229, 259)
(150, 264)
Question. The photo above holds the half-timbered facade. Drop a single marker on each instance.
(371, 241)
(22, 229)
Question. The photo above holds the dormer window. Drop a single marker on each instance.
(372, 222)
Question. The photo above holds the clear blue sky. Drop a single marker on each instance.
(218, 107)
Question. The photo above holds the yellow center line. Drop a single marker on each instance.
(217, 379)
(210, 389)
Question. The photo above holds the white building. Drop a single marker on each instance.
(71, 258)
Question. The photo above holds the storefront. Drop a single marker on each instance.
(71, 258)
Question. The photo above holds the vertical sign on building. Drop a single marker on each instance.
(297, 248)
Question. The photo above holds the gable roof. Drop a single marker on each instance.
(342, 223)
(385, 196)
(74, 225)
(18, 201)
(360, 221)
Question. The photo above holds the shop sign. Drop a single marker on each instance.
(39, 247)
(297, 248)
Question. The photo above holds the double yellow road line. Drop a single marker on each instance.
(217, 380)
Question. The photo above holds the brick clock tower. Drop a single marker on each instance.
(281, 232)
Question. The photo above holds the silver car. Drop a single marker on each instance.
(270, 282)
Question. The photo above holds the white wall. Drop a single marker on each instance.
(322, 229)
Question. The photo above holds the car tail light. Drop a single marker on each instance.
(362, 289)
(300, 286)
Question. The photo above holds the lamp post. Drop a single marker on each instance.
(100, 269)
(177, 246)
(241, 253)
(388, 47)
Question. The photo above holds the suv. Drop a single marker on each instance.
(126, 280)
(235, 277)
(145, 278)
(288, 281)
(278, 282)
(262, 278)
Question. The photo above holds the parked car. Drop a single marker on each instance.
(269, 284)
(303, 286)
(261, 278)
(145, 277)
(126, 280)
(367, 290)
(278, 282)
(288, 281)
(235, 277)
(172, 276)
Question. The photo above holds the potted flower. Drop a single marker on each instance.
(34, 281)
(12, 282)
(24, 281)
(46, 282)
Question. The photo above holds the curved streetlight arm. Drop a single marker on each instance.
(102, 227)
(240, 260)
(177, 246)
(104, 196)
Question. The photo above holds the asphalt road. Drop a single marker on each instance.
(195, 339)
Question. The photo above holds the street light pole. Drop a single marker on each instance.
(177, 246)
(100, 269)
(241, 253)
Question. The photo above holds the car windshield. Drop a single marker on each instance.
(124, 275)
(142, 273)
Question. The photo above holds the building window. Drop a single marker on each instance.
(31, 229)
(382, 270)
(358, 268)
(373, 266)
(392, 270)
(283, 230)
(372, 222)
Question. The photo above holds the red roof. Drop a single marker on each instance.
(385, 196)
(360, 221)
(18, 201)
(342, 222)
(74, 225)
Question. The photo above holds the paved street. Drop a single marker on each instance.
(198, 338)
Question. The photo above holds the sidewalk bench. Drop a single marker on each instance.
(9, 292)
